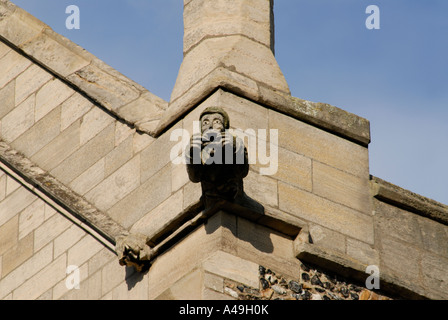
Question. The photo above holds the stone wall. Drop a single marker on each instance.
(37, 245)
(86, 155)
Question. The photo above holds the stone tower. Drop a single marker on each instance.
(86, 160)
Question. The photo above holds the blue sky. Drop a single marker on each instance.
(396, 77)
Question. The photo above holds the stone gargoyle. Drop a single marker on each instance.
(215, 158)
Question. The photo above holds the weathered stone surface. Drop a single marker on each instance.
(73, 109)
(86, 156)
(319, 145)
(107, 90)
(12, 64)
(50, 96)
(205, 18)
(18, 120)
(326, 213)
(143, 199)
(9, 234)
(30, 81)
(238, 54)
(49, 48)
(116, 186)
(408, 200)
(160, 217)
(60, 148)
(40, 134)
(342, 187)
(7, 99)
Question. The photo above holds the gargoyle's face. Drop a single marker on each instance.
(213, 121)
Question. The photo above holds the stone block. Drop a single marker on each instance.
(213, 282)
(179, 176)
(92, 123)
(60, 148)
(326, 213)
(434, 236)
(234, 268)
(83, 250)
(31, 218)
(261, 188)
(294, 169)
(3, 177)
(40, 134)
(108, 90)
(212, 295)
(90, 289)
(26, 270)
(111, 276)
(99, 260)
(9, 232)
(89, 178)
(397, 223)
(161, 217)
(119, 156)
(85, 156)
(12, 64)
(15, 203)
(326, 238)
(4, 49)
(67, 239)
(183, 258)
(30, 81)
(51, 95)
(188, 287)
(18, 26)
(342, 187)
(158, 154)
(49, 230)
(122, 132)
(18, 120)
(362, 252)
(54, 54)
(42, 281)
(141, 141)
(7, 102)
(205, 19)
(116, 186)
(236, 53)
(192, 194)
(400, 261)
(435, 276)
(320, 145)
(143, 199)
(60, 289)
(11, 185)
(139, 290)
(74, 108)
(17, 254)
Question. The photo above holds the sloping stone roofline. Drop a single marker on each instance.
(140, 108)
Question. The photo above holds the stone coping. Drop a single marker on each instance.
(79, 69)
(321, 115)
(138, 107)
(407, 200)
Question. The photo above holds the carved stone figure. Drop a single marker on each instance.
(133, 251)
(217, 159)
